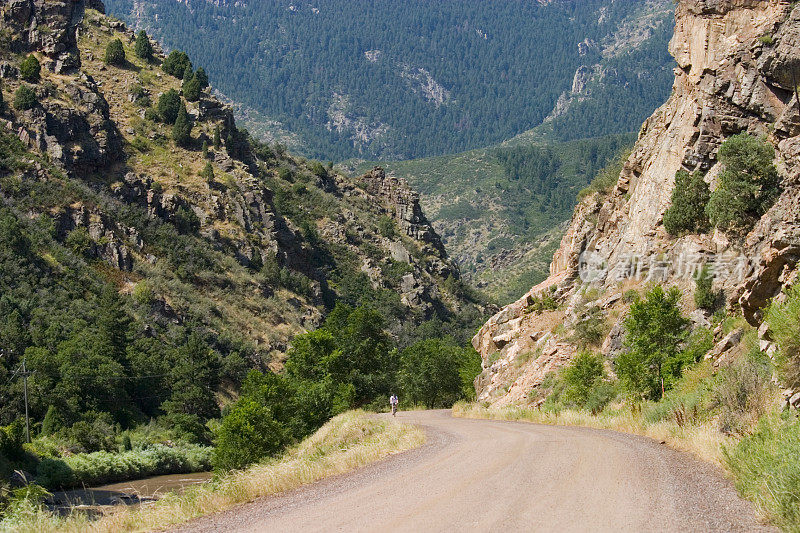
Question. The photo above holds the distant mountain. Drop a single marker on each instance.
(401, 80)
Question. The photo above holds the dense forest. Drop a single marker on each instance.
(404, 80)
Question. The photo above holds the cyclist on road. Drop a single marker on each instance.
(393, 401)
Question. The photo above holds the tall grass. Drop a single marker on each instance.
(346, 442)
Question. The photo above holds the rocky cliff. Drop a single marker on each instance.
(219, 229)
(738, 63)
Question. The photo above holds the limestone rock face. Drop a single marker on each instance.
(730, 79)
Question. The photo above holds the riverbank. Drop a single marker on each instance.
(348, 441)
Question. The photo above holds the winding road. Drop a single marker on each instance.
(480, 475)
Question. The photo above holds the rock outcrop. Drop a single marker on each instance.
(738, 62)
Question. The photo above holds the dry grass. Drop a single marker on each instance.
(703, 440)
(347, 442)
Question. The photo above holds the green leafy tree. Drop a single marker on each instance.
(182, 129)
(248, 434)
(25, 98)
(30, 69)
(192, 89)
(687, 212)
(143, 48)
(581, 376)
(748, 185)
(115, 53)
(169, 105)
(429, 373)
(655, 330)
(176, 64)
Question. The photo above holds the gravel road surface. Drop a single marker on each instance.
(481, 475)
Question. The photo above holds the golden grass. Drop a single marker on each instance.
(348, 441)
(704, 440)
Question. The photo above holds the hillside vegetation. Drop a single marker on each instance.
(413, 79)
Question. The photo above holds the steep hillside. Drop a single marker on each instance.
(400, 81)
(737, 74)
(146, 266)
(502, 210)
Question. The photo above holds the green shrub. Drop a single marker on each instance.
(784, 324)
(79, 241)
(748, 185)
(248, 434)
(591, 328)
(705, 297)
(30, 69)
(143, 48)
(584, 385)
(115, 53)
(25, 98)
(742, 391)
(687, 212)
(544, 302)
(176, 64)
(766, 469)
(655, 330)
(387, 228)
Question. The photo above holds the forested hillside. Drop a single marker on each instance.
(401, 80)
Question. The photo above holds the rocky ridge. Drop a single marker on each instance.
(120, 171)
(737, 66)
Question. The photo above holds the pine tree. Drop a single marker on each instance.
(191, 89)
(217, 140)
(143, 48)
(208, 173)
(176, 63)
(205, 149)
(202, 77)
(187, 73)
(182, 129)
(687, 214)
(169, 105)
(30, 69)
(115, 53)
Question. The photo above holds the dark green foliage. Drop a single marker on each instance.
(248, 434)
(585, 383)
(687, 212)
(318, 169)
(207, 173)
(169, 105)
(176, 64)
(704, 295)
(187, 74)
(431, 372)
(543, 302)
(590, 330)
(655, 330)
(499, 84)
(182, 129)
(387, 228)
(143, 48)
(202, 77)
(784, 325)
(748, 185)
(79, 241)
(217, 141)
(115, 53)
(204, 149)
(30, 69)
(25, 98)
(191, 89)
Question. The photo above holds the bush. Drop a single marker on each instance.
(742, 391)
(248, 434)
(30, 69)
(584, 385)
(784, 325)
(591, 329)
(748, 184)
(25, 98)
(387, 227)
(169, 105)
(704, 295)
(655, 330)
(115, 53)
(766, 469)
(143, 48)
(176, 64)
(687, 212)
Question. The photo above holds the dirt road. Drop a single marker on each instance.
(477, 475)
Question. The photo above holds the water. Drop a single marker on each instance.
(134, 492)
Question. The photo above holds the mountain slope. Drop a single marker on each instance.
(400, 81)
(145, 273)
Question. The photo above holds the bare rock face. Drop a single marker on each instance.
(730, 79)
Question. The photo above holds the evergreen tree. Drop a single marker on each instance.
(30, 69)
(176, 64)
(748, 185)
(188, 72)
(207, 173)
(687, 213)
(704, 295)
(182, 129)
(217, 140)
(143, 48)
(205, 149)
(191, 89)
(115, 53)
(25, 98)
(169, 104)
(202, 77)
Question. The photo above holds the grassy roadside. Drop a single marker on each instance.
(348, 441)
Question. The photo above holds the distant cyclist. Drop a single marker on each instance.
(393, 401)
